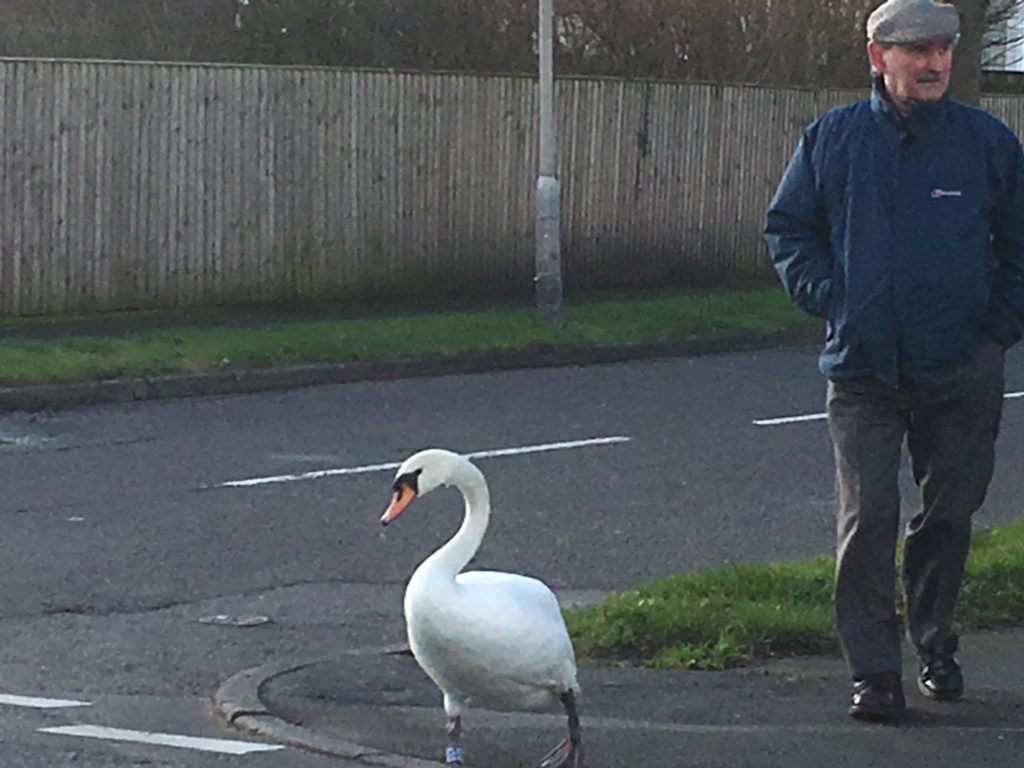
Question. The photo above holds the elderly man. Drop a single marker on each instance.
(900, 220)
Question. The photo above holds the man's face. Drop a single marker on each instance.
(913, 72)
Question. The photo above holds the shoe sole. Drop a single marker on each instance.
(868, 716)
(928, 693)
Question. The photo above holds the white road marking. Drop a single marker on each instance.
(306, 475)
(317, 474)
(548, 447)
(222, 746)
(34, 702)
(789, 419)
(820, 416)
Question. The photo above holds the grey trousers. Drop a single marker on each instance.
(950, 423)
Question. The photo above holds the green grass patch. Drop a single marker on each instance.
(669, 318)
(728, 616)
(193, 349)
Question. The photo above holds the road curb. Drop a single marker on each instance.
(237, 700)
(59, 396)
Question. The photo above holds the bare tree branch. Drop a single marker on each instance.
(790, 42)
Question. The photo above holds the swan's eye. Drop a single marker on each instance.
(408, 480)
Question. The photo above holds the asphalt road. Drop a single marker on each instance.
(122, 544)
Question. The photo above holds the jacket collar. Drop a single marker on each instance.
(922, 114)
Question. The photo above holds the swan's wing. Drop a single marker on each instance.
(517, 618)
(511, 586)
(510, 602)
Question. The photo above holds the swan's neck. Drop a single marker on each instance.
(453, 556)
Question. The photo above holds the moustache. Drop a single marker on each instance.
(930, 77)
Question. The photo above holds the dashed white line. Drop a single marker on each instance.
(789, 419)
(317, 474)
(35, 702)
(221, 746)
(820, 416)
(548, 447)
(306, 476)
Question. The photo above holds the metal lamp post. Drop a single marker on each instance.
(548, 265)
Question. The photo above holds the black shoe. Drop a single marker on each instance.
(879, 698)
(941, 678)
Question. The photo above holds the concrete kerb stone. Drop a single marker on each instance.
(239, 695)
(237, 700)
(70, 395)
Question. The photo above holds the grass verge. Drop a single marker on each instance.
(728, 616)
(98, 355)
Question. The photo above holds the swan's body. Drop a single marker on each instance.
(486, 638)
(493, 640)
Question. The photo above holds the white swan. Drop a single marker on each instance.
(491, 639)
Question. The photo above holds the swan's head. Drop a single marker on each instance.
(420, 474)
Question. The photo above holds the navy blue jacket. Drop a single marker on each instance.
(906, 234)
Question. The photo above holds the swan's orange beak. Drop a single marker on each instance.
(403, 497)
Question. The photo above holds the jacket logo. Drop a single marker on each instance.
(938, 193)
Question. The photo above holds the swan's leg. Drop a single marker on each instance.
(453, 752)
(568, 753)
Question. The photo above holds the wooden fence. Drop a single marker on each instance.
(133, 185)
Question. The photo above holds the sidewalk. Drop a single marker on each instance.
(377, 708)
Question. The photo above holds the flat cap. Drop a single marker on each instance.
(913, 21)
